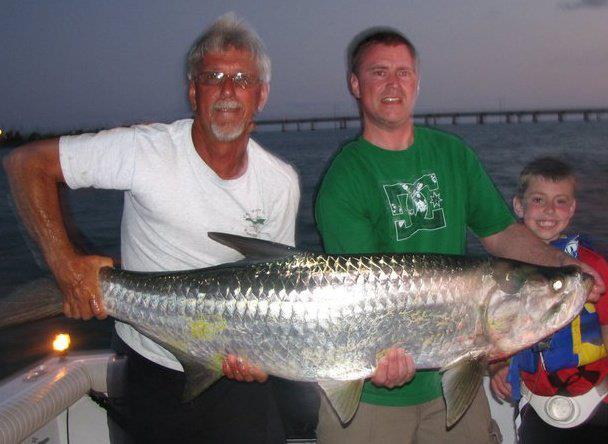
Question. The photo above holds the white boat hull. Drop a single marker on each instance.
(49, 402)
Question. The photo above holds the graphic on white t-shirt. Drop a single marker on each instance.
(256, 220)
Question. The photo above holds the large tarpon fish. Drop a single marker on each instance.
(326, 318)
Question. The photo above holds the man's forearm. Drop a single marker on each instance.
(34, 174)
(519, 243)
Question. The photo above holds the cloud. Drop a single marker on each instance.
(578, 4)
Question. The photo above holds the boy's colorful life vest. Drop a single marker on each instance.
(575, 345)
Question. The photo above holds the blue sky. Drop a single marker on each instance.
(82, 64)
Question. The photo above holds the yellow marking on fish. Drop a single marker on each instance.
(177, 343)
(217, 361)
(207, 329)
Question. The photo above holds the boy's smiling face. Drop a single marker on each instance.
(546, 207)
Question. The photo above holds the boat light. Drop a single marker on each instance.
(61, 342)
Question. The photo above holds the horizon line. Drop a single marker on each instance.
(426, 116)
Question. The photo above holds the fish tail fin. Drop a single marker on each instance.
(36, 300)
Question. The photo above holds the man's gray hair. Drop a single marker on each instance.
(227, 32)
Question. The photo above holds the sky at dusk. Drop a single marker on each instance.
(75, 64)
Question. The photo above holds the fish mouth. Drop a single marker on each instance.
(551, 311)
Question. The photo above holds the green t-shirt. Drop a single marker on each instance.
(417, 200)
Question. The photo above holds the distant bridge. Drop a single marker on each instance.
(454, 118)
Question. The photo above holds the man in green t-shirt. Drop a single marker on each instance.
(400, 188)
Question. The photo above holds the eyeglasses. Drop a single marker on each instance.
(217, 78)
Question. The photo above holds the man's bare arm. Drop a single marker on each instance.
(34, 174)
(519, 243)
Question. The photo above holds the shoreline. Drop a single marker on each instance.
(312, 123)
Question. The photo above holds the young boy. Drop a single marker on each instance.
(573, 361)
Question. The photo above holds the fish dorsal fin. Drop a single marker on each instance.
(199, 375)
(253, 248)
(343, 396)
(460, 384)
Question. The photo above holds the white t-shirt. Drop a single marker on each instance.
(172, 199)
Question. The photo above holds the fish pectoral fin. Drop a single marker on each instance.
(478, 355)
(199, 376)
(343, 396)
(253, 248)
(460, 384)
(198, 379)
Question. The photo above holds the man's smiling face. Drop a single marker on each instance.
(386, 85)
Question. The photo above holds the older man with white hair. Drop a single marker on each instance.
(181, 180)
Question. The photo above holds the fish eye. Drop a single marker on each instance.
(557, 284)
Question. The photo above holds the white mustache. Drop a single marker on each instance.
(224, 105)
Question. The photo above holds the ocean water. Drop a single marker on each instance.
(503, 149)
